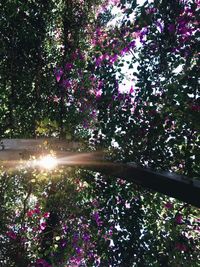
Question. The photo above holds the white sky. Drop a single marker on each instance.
(129, 80)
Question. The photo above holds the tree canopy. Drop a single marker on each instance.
(63, 64)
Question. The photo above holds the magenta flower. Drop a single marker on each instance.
(195, 108)
(58, 73)
(42, 263)
(42, 226)
(181, 247)
(75, 262)
(179, 219)
(168, 205)
(46, 215)
(12, 235)
(69, 66)
(100, 59)
(30, 213)
(36, 210)
(131, 90)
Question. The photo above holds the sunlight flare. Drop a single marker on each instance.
(48, 162)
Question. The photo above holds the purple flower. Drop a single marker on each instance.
(85, 124)
(63, 243)
(69, 66)
(171, 28)
(66, 83)
(113, 58)
(75, 239)
(96, 217)
(125, 50)
(160, 25)
(131, 44)
(86, 237)
(78, 250)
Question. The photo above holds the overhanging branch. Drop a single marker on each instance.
(183, 188)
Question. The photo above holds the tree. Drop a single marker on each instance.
(68, 216)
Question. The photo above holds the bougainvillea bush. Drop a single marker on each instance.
(61, 76)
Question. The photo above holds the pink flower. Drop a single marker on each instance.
(98, 94)
(75, 262)
(56, 99)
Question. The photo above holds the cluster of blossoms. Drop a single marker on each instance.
(36, 215)
(184, 240)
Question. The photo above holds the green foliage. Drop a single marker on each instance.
(60, 77)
